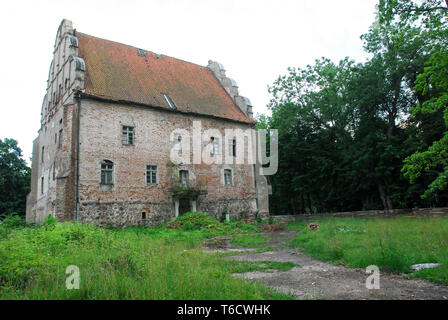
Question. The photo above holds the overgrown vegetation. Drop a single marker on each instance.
(392, 244)
(15, 178)
(372, 135)
(249, 241)
(134, 263)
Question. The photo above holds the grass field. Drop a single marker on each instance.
(392, 244)
(134, 263)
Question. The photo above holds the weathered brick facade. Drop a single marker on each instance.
(71, 148)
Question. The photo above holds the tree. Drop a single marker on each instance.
(432, 85)
(15, 178)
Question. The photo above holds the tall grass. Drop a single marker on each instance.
(392, 244)
(135, 263)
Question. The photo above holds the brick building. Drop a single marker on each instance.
(108, 129)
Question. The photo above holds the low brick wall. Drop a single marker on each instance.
(367, 214)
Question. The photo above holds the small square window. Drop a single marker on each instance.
(151, 174)
(128, 135)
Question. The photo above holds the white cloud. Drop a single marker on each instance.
(255, 41)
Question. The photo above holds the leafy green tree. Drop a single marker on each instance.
(15, 178)
(433, 87)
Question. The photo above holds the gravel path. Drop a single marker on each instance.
(314, 279)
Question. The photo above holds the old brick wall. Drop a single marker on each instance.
(100, 131)
(55, 165)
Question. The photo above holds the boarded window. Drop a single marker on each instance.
(151, 174)
(169, 102)
(227, 177)
(183, 174)
(128, 135)
(107, 169)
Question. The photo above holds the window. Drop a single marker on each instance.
(60, 139)
(42, 155)
(143, 215)
(128, 135)
(54, 170)
(107, 168)
(233, 147)
(42, 185)
(183, 177)
(142, 53)
(215, 146)
(178, 143)
(169, 101)
(151, 174)
(227, 177)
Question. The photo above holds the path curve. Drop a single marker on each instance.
(315, 279)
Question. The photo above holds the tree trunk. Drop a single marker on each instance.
(384, 197)
(309, 203)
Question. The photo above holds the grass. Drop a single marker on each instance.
(392, 244)
(263, 266)
(134, 263)
(248, 240)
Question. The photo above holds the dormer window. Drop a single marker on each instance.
(141, 53)
(168, 101)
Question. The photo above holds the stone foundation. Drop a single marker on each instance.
(237, 208)
(126, 214)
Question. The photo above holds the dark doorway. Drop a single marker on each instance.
(184, 206)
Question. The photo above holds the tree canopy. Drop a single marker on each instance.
(14, 178)
(372, 135)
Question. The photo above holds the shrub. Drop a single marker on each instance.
(191, 221)
(13, 221)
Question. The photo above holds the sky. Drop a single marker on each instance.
(256, 41)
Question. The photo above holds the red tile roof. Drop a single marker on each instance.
(115, 71)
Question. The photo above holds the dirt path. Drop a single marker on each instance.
(314, 279)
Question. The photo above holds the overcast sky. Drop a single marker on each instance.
(255, 41)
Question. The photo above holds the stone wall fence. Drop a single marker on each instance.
(416, 212)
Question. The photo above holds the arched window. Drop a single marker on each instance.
(107, 169)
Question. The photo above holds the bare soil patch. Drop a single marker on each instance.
(315, 279)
